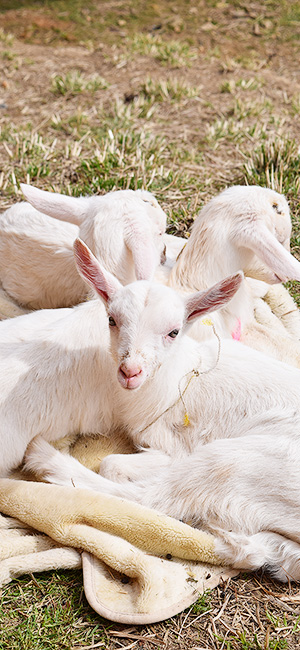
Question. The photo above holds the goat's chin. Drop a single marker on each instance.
(131, 383)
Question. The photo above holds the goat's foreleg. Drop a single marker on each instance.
(133, 467)
(62, 469)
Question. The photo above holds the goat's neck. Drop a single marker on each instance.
(203, 262)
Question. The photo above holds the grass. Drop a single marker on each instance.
(100, 160)
(226, 129)
(171, 89)
(203, 604)
(75, 82)
(173, 53)
(183, 100)
(243, 109)
(47, 609)
(233, 86)
(276, 164)
(39, 612)
(6, 37)
(128, 161)
(81, 21)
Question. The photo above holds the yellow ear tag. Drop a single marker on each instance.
(207, 321)
(186, 421)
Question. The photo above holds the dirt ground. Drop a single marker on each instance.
(242, 57)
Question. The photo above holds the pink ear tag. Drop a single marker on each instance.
(237, 332)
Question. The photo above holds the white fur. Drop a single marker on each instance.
(248, 228)
(233, 471)
(37, 265)
(124, 229)
(245, 491)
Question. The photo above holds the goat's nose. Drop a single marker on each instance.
(130, 371)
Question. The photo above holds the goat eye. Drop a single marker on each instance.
(112, 322)
(173, 334)
(276, 207)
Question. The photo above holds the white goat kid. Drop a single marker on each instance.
(124, 229)
(58, 376)
(248, 228)
(247, 399)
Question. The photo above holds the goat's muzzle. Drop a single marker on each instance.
(130, 376)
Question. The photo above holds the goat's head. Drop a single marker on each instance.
(147, 320)
(252, 225)
(123, 219)
(265, 229)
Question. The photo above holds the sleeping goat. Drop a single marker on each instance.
(221, 425)
(248, 228)
(124, 229)
(244, 228)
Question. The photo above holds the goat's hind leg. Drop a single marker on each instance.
(284, 563)
(278, 555)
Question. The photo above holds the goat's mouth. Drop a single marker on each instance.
(132, 382)
(265, 275)
(275, 279)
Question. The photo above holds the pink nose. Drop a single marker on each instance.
(130, 371)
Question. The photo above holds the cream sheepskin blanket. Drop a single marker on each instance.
(138, 566)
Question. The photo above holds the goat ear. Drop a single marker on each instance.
(104, 283)
(260, 240)
(59, 206)
(214, 298)
(139, 240)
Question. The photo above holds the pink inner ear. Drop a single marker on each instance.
(84, 260)
(217, 296)
(91, 271)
